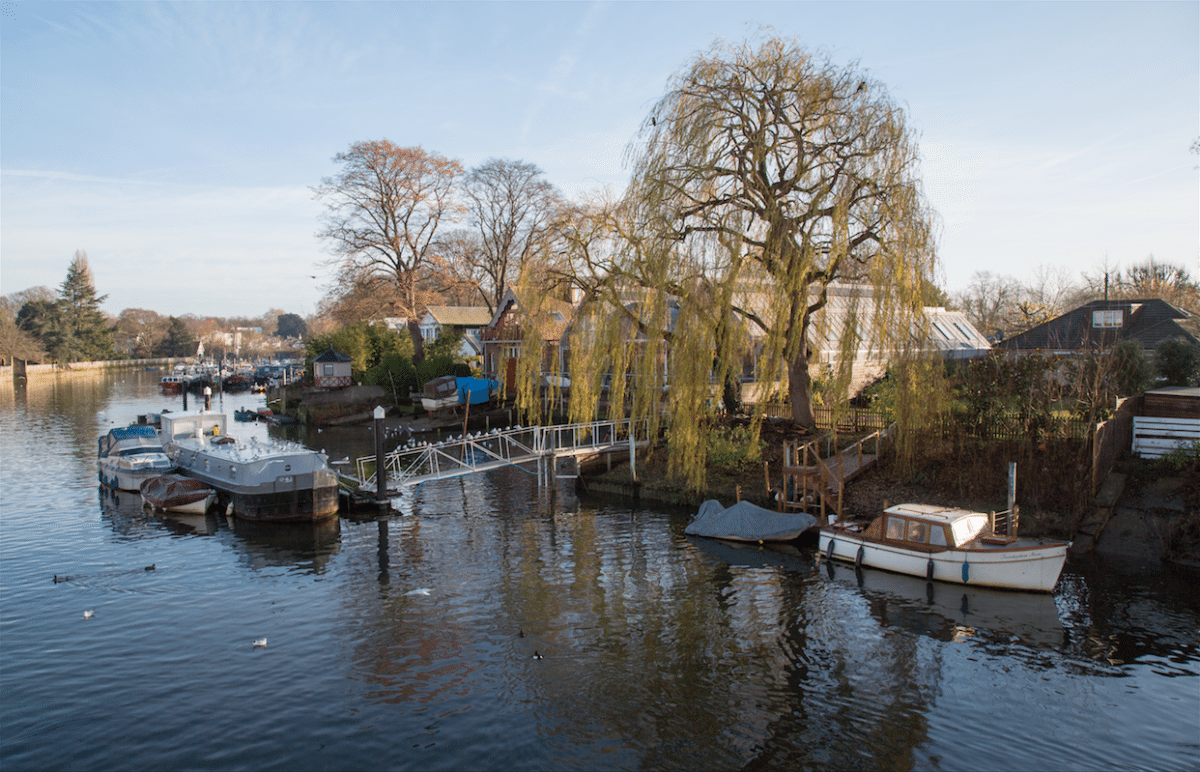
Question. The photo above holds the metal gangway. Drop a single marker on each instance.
(418, 462)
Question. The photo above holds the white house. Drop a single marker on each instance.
(469, 319)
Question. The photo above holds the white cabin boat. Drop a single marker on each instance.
(948, 545)
(265, 481)
(129, 456)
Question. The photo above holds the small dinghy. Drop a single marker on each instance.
(748, 522)
(176, 493)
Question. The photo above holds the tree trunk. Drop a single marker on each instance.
(800, 391)
(414, 331)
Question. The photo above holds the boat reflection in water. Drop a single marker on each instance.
(127, 516)
(304, 546)
(949, 612)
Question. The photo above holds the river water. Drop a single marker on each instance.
(411, 643)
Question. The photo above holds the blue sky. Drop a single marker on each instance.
(177, 143)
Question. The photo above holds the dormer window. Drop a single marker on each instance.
(1108, 317)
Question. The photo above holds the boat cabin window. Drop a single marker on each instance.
(937, 536)
(917, 531)
(895, 528)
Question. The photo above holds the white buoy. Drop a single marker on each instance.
(89, 614)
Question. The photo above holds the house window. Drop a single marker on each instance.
(328, 369)
(1110, 317)
(512, 352)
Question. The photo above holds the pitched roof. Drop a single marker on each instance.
(1102, 323)
(461, 316)
(332, 356)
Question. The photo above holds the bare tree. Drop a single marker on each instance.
(382, 215)
(990, 302)
(510, 205)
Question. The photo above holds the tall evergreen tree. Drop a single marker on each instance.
(179, 342)
(82, 332)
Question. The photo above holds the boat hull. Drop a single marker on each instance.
(1027, 564)
(125, 476)
(174, 493)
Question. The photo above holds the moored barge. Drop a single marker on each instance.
(262, 481)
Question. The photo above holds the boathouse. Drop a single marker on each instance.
(331, 370)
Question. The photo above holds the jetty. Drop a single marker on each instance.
(540, 447)
(815, 478)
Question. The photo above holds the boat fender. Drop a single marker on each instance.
(829, 550)
(929, 570)
(966, 572)
(859, 557)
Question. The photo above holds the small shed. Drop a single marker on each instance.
(331, 370)
(1170, 419)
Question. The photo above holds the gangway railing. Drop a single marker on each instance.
(418, 462)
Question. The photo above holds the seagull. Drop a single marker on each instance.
(89, 614)
(261, 643)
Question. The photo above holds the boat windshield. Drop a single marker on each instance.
(967, 528)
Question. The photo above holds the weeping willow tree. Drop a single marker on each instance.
(764, 183)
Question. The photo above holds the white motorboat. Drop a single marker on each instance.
(267, 481)
(130, 455)
(948, 545)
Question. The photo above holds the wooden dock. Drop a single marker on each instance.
(816, 481)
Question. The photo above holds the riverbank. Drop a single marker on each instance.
(1152, 516)
(10, 374)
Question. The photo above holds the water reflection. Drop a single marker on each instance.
(952, 612)
(304, 547)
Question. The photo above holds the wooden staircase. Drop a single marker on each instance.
(813, 481)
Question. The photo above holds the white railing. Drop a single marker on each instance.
(415, 463)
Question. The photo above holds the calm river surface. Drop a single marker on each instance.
(410, 644)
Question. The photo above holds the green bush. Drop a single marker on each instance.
(733, 448)
(1177, 362)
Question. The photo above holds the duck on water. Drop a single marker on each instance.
(263, 481)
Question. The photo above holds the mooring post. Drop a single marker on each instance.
(207, 398)
(632, 453)
(380, 467)
(185, 391)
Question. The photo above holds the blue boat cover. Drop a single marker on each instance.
(137, 438)
(475, 391)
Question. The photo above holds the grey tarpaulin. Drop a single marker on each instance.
(748, 522)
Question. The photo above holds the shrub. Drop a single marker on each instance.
(1177, 362)
(733, 448)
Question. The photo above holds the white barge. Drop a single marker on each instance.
(262, 481)
(947, 545)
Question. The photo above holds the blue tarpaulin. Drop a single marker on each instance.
(475, 391)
